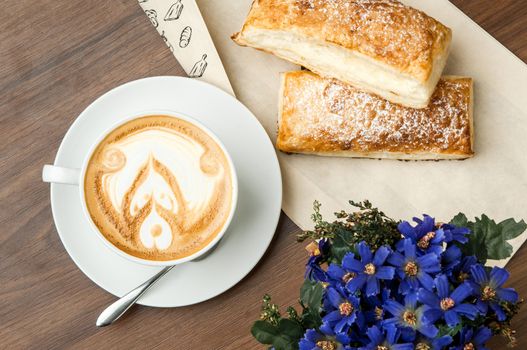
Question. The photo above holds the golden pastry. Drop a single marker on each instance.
(380, 46)
(326, 117)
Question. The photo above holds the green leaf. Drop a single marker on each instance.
(285, 336)
(311, 319)
(341, 244)
(476, 240)
(488, 239)
(311, 294)
(291, 329)
(496, 239)
(497, 246)
(459, 220)
(451, 331)
(512, 229)
(264, 332)
(285, 343)
(311, 298)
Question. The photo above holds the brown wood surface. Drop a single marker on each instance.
(55, 58)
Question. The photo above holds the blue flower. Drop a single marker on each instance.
(366, 306)
(410, 317)
(369, 270)
(313, 340)
(424, 235)
(338, 277)
(313, 269)
(375, 312)
(433, 343)
(445, 304)
(474, 341)
(454, 233)
(385, 340)
(450, 258)
(413, 270)
(461, 272)
(341, 312)
(489, 290)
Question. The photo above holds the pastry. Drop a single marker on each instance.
(380, 46)
(324, 116)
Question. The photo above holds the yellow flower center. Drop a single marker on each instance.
(410, 318)
(422, 346)
(462, 276)
(369, 269)
(382, 347)
(447, 304)
(411, 268)
(378, 313)
(424, 242)
(468, 346)
(326, 345)
(348, 276)
(488, 293)
(345, 309)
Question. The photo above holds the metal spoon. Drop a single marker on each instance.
(113, 312)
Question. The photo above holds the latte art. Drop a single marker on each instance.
(159, 188)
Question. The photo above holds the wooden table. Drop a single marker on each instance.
(55, 58)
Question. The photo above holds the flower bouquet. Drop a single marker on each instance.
(374, 283)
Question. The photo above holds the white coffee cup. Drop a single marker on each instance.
(68, 176)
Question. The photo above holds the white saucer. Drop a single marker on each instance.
(260, 192)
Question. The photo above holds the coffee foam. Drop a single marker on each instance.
(159, 188)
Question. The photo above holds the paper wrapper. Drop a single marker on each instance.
(180, 24)
(494, 182)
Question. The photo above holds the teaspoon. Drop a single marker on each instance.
(113, 312)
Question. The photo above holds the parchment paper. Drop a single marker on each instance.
(180, 24)
(494, 182)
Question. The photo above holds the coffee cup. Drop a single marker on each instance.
(158, 188)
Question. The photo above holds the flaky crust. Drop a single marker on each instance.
(385, 30)
(327, 117)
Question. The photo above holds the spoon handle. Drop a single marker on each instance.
(118, 308)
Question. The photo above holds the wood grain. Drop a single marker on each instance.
(55, 58)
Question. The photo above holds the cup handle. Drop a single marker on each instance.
(60, 175)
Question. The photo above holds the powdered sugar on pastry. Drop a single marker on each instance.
(381, 46)
(325, 116)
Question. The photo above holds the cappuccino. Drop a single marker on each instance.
(159, 188)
